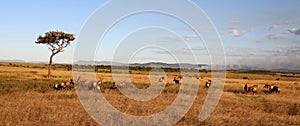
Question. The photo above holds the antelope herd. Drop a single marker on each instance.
(90, 85)
(64, 85)
(267, 88)
(272, 88)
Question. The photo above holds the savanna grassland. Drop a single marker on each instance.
(27, 98)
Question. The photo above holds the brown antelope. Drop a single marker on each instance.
(208, 83)
(251, 89)
(63, 85)
(177, 79)
(275, 89)
(57, 86)
(272, 88)
(119, 84)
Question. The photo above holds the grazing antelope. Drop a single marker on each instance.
(275, 89)
(177, 79)
(270, 87)
(119, 84)
(252, 89)
(162, 79)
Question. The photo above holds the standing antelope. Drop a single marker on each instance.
(252, 89)
(96, 85)
(272, 88)
(161, 79)
(275, 89)
(208, 83)
(177, 79)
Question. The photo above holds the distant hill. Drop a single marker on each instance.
(166, 65)
(286, 70)
(85, 62)
(16, 60)
(149, 64)
(171, 65)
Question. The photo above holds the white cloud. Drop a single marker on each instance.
(293, 30)
(274, 27)
(238, 33)
(296, 31)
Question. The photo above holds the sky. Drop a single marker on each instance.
(260, 33)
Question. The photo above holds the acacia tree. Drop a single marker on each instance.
(57, 42)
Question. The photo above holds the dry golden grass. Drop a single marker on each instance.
(27, 98)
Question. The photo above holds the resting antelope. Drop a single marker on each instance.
(63, 85)
(57, 86)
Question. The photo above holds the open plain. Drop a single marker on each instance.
(27, 97)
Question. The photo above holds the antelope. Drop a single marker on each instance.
(272, 88)
(63, 85)
(208, 83)
(275, 89)
(177, 79)
(119, 84)
(252, 89)
(161, 79)
(96, 85)
(57, 86)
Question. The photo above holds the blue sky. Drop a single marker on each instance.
(262, 33)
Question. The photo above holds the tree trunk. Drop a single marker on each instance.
(50, 64)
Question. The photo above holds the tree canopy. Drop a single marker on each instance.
(57, 41)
